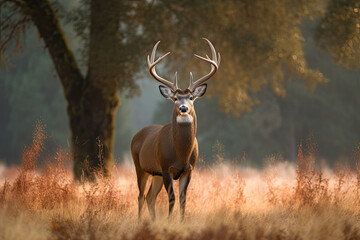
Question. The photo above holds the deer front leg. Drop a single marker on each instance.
(169, 186)
(183, 185)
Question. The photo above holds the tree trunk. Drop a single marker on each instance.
(92, 125)
(93, 121)
(92, 100)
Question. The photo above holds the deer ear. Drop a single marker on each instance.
(166, 92)
(200, 90)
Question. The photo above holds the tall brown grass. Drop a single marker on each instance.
(225, 201)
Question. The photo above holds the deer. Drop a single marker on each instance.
(170, 152)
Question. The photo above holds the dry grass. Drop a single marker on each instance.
(283, 201)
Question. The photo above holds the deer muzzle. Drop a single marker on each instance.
(183, 109)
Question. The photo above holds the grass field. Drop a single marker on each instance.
(225, 201)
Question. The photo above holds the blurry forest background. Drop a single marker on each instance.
(290, 70)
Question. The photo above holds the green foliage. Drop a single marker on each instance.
(339, 32)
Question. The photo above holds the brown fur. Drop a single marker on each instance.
(170, 151)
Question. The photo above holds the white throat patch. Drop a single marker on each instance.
(186, 118)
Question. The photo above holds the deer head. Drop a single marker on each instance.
(184, 98)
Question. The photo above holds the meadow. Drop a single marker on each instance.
(225, 200)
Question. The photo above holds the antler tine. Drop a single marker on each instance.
(153, 52)
(152, 63)
(175, 81)
(214, 61)
(213, 51)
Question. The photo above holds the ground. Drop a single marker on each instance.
(225, 201)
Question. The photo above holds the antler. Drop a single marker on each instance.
(214, 61)
(152, 63)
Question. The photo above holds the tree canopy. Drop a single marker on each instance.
(338, 32)
(260, 42)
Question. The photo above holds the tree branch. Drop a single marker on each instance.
(65, 63)
(14, 30)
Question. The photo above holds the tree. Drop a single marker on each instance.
(338, 32)
(329, 115)
(260, 43)
(111, 65)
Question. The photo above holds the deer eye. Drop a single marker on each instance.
(175, 99)
(191, 98)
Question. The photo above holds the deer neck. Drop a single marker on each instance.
(183, 135)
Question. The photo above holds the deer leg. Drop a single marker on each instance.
(169, 186)
(156, 185)
(183, 185)
(142, 179)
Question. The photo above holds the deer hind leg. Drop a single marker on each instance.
(183, 185)
(169, 186)
(156, 185)
(142, 178)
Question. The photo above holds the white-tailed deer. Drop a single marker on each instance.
(170, 152)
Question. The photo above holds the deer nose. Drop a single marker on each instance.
(183, 108)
